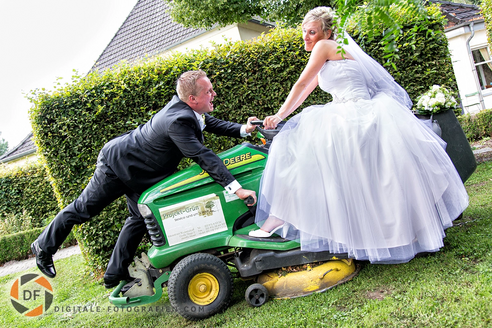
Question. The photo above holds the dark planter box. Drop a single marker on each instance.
(458, 147)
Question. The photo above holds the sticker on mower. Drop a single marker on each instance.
(229, 197)
(193, 219)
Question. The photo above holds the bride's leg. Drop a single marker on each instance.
(271, 223)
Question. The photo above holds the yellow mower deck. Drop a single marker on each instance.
(283, 284)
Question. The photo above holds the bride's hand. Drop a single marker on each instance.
(270, 122)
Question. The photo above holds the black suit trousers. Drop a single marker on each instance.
(103, 188)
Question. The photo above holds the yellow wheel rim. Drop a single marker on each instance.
(203, 289)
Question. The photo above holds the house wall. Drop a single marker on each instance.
(463, 66)
(19, 161)
(234, 32)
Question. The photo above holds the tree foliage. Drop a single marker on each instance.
(4, 145)
(486, 8)
(375, 17)
(207, 13)
(384, 18)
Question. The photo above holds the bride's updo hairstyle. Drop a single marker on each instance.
(324, 15)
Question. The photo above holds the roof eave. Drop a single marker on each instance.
(479, 24)
(17, 156)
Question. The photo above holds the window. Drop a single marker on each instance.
(483, 64)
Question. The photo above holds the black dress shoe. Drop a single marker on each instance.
(43, 260)
(113, 281)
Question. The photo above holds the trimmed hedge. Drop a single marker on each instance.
(72, 123)
(17, 246)
(25, 192)
(477, 126)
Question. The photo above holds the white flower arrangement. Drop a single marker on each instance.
(437, 99)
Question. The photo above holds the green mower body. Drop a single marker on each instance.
(199, 232)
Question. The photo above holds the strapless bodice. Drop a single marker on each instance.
(343, 80)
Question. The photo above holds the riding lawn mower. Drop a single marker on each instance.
(200, 237)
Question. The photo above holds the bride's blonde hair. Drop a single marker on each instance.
(325, 15)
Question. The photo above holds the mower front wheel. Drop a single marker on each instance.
(200, 286)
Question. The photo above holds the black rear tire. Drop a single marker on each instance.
(200, 286)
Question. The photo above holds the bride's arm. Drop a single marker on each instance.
(307, 82)
(307, 92)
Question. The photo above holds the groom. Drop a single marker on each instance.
(133, 162)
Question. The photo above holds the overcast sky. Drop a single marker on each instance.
(42, 40)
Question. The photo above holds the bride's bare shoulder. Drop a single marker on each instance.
(335, 50)
(328, 43)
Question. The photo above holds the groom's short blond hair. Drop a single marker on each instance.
(186, 84)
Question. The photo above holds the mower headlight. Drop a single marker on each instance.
(144, 210)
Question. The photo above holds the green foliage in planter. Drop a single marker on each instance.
(26, 194)
(72, 123)
(477, 126)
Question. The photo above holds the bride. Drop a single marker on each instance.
(360, 175)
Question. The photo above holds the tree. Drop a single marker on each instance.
(4, 146)
(486, 8)
(376, 16)
(207, 13)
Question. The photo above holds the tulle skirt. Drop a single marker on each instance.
(362, 177)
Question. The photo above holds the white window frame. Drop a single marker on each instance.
(479, 66)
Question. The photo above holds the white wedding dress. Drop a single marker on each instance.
(360, 175)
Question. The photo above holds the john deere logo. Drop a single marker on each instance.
(31, 295)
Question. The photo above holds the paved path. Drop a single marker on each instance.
(18, 266)
(482, 150)
(483, 154)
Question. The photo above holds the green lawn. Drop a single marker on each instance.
(452, 288)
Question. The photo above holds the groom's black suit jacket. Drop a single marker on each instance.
(153, 151)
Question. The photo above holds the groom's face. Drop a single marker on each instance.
(202, 102)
